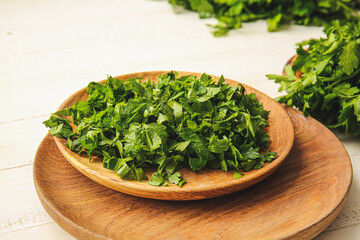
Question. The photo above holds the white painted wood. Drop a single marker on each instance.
(50, 49)
(20, 207)
(44, 231)
(19, 141)
(346, 233)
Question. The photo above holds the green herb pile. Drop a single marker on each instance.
(329, 86)
(232, 13)
(174, 123)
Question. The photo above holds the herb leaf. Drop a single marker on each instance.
(349, 57)
(177, 179)
(157, 179)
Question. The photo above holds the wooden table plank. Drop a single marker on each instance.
(19, 141)
(21, 208)
(58, 12)
(348, 233)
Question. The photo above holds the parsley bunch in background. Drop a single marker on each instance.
(174, 123)
(329, 85)
(232, 13)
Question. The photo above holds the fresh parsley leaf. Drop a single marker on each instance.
(218, 146)
(238, 174)
(59, 127)
(349, 57)
(180, 146)
(177, 179)
(126, 172)
(157, 179)
(197, 163)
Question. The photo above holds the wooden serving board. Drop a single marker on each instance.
(298, 201)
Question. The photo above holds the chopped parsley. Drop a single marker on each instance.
(174, 123)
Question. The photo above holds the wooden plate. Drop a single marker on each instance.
(297, 201)
(206, 183)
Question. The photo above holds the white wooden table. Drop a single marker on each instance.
(50, 49)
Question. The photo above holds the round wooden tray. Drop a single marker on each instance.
(298, 201)
(206, 183)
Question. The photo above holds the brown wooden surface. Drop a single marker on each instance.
(297, 201)
(206, 183)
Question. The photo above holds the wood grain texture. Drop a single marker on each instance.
(206, 183)
(296, 202)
